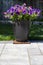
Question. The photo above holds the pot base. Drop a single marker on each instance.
(18, 42)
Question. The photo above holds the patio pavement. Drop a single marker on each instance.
(21, 54)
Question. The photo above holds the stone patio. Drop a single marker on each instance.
(21, 54)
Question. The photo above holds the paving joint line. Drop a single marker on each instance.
(29, 56)
(2, 49)
(40, 50)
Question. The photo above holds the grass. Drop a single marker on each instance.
(6, 32)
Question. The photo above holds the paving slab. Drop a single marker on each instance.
(34, 51)
(1, 47)
(14, 60)
(40, 45)
(33, 45)
(6, 42)
(36, 60)
(14, 55)
(21, 54)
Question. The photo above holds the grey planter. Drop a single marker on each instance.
(21, 30)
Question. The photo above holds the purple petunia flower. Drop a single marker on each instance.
(24, 12)
(8, 11)
(5, 13)
(24, 5)
(17, 13)
(30, 10)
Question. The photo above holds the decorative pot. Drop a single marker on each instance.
(21, 30)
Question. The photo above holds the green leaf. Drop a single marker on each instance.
(14, 18)
(33, 16)
(20, 17)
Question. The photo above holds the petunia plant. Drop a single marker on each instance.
(22, 12)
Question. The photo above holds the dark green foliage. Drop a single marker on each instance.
(6, 32)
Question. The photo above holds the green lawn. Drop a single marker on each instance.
(6, 32)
